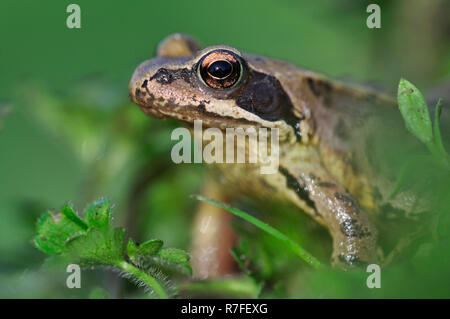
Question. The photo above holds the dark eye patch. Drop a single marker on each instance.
(265, 97)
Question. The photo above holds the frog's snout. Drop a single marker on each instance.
(146, 87)
(166, 88)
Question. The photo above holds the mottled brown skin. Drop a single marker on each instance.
(327, 133)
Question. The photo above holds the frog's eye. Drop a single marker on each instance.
(220, 69)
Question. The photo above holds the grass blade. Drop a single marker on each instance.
(437, 131)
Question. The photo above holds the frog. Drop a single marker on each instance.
(327, 132)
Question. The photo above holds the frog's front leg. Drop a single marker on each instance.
(212, 237)
(354, 236)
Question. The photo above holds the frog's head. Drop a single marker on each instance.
(218, 85)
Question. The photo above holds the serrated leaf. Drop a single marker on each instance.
(147, 249)
(70, 238)
(55, 229)
(98, 247)
(414, 110)
(70, 214)
(175, 256)
(98, 214)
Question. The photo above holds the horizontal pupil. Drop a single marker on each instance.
(220, 69)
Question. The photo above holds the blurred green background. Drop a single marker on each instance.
(69, 133)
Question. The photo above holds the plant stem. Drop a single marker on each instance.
(149, 280)
(438, 153)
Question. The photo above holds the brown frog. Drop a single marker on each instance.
(329, 134)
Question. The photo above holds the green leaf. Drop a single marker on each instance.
(175, 256)
(55, 229)
(70, 214)
(151, 254)
(69, 238)
(149, 248)
(97, 247)
(414, 111)
(131, 249)
(306, 256)
(98, 214)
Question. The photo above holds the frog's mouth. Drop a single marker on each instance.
(212, 112)
(157, 107)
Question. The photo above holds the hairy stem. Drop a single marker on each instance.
(149, 280)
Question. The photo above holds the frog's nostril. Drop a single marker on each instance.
(144, 89)
(139, 94)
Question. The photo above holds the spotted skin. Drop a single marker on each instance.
(324, 126)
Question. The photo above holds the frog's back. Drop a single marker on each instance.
(360, 132)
